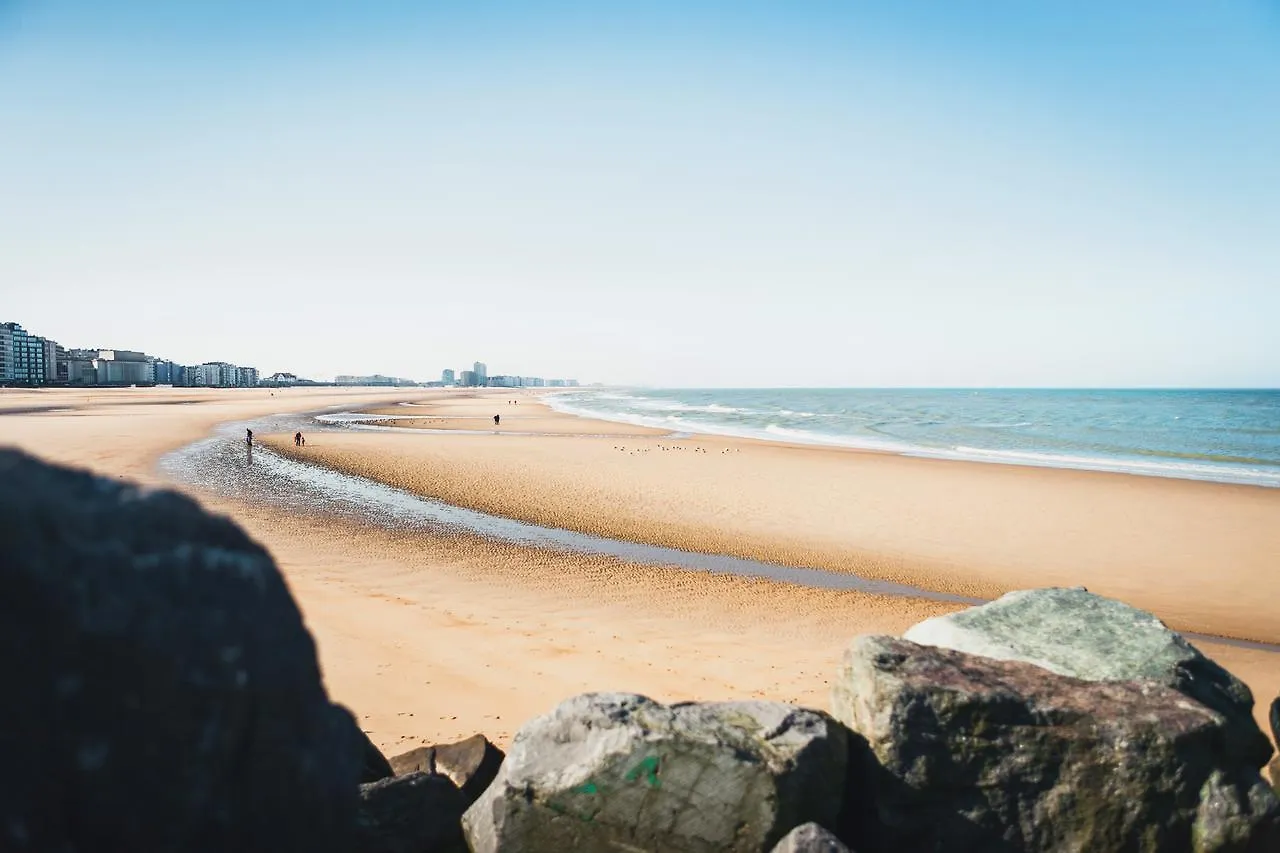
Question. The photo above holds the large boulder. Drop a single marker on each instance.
(1074, 632)
(975, 754)
(810, 838)
(471, 764)
(374, 766)
(160, 691)
(415, 813)
(1275, 734)
(616, 771)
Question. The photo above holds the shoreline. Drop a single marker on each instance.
(1166, 468)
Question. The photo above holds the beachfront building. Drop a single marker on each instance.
(122, 367)
(447, 377)
(218, 374)
(467, 378)
(79, 366)
(165, 372)
(51, 360)
(376, 379)
(22, 356)
(247, 377)
(481, 371)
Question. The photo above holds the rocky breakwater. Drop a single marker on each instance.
(162, 693)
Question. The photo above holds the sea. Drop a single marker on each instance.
(1229, 436)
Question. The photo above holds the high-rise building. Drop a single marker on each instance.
(467, 378)
(51, 350)
(21, 355)
(80, 369)
(219, 374)
(481, 371)
(447, 377)
(165, 372)
(247, 377)
(6, 351)
(122, 367)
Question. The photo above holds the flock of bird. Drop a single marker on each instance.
(664, 448)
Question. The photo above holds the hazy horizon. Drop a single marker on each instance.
(746, 195)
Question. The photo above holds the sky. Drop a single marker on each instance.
(748, 194)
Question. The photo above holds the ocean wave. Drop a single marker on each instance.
(1254, 475)
(948, 426)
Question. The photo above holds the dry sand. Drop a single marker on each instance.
(431, 637)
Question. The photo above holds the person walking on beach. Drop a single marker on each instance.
(297, 439)
(497, 419)
(248, 437)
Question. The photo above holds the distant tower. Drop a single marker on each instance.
(481, 371)
(447, 377)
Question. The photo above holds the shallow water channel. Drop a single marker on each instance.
(226, 466)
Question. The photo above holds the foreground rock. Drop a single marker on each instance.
(977, 754)
(1275, 734)
(373, 764)
(160, 689)
(414, 813)
(471, 764)
(616, 771)
(1074, 632)
(810, 838)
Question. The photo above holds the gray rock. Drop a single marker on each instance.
(810, 838)
(975, 754)
(1074, 632)
(160, 691)
(374, 765)
(616, 771)
(471, 764)
(414, 813)
(1274, 766)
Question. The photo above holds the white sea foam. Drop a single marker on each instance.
(676, 415)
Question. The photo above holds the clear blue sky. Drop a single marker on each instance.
(740, 193)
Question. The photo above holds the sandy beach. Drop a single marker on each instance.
(433, 636)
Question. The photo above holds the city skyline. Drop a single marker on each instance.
(1056, 194)
(31, 359)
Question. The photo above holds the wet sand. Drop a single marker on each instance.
(431, 637)
(1203, 556)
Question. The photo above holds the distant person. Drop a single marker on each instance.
(497, 419)
(304, 441)
(297, 439)
(248, 437)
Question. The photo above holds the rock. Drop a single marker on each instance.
(415, 813)
(976, 754)
(471, 764)
(160, 689)
(373, 764)
(1274, 766)
(810, 838)
(616, 771)
(1074, 632)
